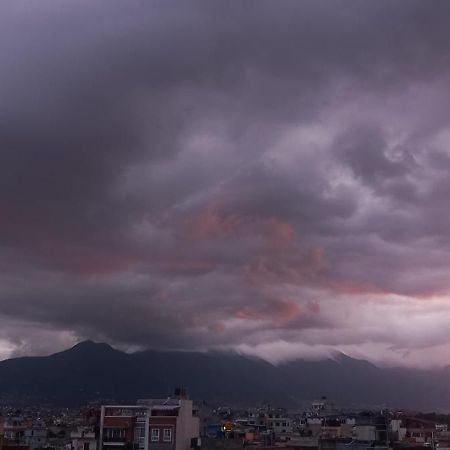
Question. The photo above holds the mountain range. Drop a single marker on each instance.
(91, 372)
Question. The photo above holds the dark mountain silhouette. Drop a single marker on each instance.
(91, 371)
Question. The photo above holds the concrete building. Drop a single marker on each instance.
(35, 437)
(14, 430)
(365, 433)
(322, 407)
(313, 426)
(279, 423)
(257, 419)
(83, 439)
(397, 430)
(168, 424)
(419, 431)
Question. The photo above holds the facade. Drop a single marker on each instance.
(257, 419)
(83, 439)
(366, 433)
(419, 431)
(35, 437)
(14, 430)
(280, 424)
(322, 407)
(273, 420)
(170, 424)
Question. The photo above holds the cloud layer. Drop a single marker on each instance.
(271, 177)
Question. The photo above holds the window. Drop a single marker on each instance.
(167, 435)
(155, 434)
(115, 434)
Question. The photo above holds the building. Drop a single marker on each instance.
(365, 432)
(322, 407)
(168, 424)
(280, 424)
(257, 419)
(419, 431)
(83, 439)
(1, 434)
(14, 430)
(35, 437)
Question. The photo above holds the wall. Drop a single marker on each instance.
(188, 426)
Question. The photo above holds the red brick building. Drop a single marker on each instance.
(168, 424)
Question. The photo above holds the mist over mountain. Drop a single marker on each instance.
(92, 371)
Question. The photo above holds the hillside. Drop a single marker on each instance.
(91, 371)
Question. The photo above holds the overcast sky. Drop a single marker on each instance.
(271, 177)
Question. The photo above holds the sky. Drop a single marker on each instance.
(270, 177)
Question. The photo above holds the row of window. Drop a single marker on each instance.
(281, 424)
(167, 435)
(115, 433)
(120, 434)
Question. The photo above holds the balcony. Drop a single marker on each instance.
(113, 439)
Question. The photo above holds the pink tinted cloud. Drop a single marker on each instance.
(285, 311)
(212, 223)
(351, 287)
(278, 312)
(279, 234)
(83, 260)
(292, 266)
(313, 307)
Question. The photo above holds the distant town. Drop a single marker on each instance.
(178, 423)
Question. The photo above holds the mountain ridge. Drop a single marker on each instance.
(91, 371)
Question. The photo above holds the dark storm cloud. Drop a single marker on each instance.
(257, 175)
(363, 149)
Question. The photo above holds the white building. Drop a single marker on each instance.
(365, 432)
(83, 439)
(280, 425)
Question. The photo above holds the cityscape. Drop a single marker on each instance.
(178, 423)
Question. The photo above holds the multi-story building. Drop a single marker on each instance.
(1, 434)
(257, 419)
(35, 437)
(322, 407)
(419, 431)
(123, 426)
(170, 424)
(280, 423)
(14, 430)
(83, 438)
